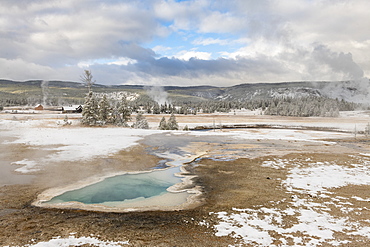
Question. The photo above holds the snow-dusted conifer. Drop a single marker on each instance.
(105, 110)
(172, 123)
(163, 124)
(115, 114)
(156, 109)
(89, 110)
(141, 122)
(124, 113)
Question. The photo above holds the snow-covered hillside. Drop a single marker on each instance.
(357, 91)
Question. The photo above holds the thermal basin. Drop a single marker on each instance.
(128, 190)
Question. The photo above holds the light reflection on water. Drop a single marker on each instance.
(123, 188)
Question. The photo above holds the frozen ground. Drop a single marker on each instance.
(83, 143)
(313, 203)
(73, 241)
(68, 144)
(320, 214)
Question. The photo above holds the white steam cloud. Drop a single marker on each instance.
(45, 91)
(157, 94)
(357, 91)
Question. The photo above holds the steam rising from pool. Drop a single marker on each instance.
(123, 188)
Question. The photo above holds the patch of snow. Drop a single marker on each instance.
(361, 199)
(204, 223)
(319, 177)
(276, 134)
(258, 228)
(70, 144)
(277, 164)
(365, 231)
(73, 241)
(314, 223)
(246, 229)
(27, 166)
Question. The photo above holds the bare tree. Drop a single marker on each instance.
(87, 78)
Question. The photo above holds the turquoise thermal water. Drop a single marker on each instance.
(123, 187)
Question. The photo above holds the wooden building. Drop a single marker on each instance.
(72, 109)
(39, 107)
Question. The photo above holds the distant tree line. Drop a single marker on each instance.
(7, 100)
(309, 106)
(298, 107)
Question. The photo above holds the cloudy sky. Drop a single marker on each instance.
(188, 42)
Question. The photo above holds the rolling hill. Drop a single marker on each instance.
(65, 92)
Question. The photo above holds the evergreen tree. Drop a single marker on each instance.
(171, 108)
(156, 109)
(163, 124)
(105, 110)
(172, 123)
(115, 115)
(124, 113)
(141, 122)
(89, 110)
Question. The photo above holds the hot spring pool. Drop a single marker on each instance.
(127, 190)
(159, 189)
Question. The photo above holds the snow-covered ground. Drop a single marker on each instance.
(73, 241)
(315, 224)
(276, 134)
(83, 143)
(69, 144)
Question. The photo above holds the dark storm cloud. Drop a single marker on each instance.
(339, 62)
